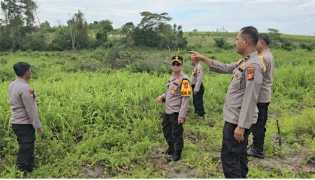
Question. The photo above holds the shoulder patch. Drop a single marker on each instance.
(185, 88)
(250, 75)
(262, 63)
(32, 93)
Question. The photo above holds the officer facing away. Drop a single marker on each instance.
(198, 88)
(176, 99)
(24, 116)
(259, 129)
(240, 106)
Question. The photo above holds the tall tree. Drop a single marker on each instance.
(18, 20)
(155, 31)
(23, 10)
(78, 31)
(153, 20)
(13, 22)
(103, 28)
(128, 28)
(29, 8)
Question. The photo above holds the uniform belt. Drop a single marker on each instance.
(23, 117)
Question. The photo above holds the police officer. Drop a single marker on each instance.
(240, 110)
(24, 115)
(259, 129)
(176, 99)
(198, 88)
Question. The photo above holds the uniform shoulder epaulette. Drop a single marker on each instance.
(262, 63)
(239, 62)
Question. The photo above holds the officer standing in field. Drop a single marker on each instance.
(259, 129)
(24, 116)
(198, 88)
(176, 99)
(240, 107)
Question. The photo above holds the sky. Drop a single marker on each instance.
(288, 16)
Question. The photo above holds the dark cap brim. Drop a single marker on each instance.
(176, 60)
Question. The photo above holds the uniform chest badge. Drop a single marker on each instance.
(32, 93)
(250, 72)
(174, 86)
(173, 91)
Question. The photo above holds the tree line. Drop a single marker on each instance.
(18, 31)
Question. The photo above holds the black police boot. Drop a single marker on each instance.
(176, 156)
(200, 117)
(169, 151)
(253, 152)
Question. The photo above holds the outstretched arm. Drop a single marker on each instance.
(215, 65)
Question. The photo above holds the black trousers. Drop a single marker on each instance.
(173, 132)
(233, 154)
(25, 134)
(259, 129)
(198, 101)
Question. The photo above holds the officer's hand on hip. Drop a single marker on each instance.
(195, 92)
(181, 120)
(239, 134)
(159, 99)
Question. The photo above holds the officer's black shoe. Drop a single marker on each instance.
(169, 151)
(176, 157)
(253, 152)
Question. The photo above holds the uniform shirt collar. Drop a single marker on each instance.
(255, 53)
(251, 56)
(174, 77)
(21, 80)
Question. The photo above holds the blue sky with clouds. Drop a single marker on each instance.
(289, 16)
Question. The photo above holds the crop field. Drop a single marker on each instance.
(103, 121)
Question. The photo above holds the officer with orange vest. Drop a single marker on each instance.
(176, 100)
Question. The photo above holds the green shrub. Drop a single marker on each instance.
(221, 43)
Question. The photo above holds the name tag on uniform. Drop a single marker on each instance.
(250, 72)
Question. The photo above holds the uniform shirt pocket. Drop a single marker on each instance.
(237, 76)
(173, 88)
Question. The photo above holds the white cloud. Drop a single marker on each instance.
(291, 16)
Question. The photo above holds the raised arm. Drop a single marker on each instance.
(215, 65)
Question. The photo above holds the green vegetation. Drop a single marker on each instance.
(96, 87)
(18, 31)
(102, 121)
